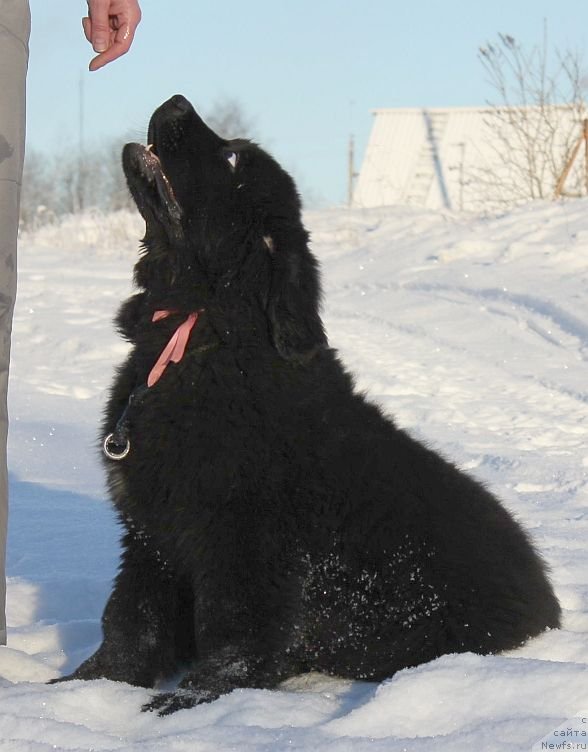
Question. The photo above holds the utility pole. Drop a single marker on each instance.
(81, 161)
(351, 174)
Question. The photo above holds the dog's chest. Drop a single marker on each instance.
(205, 424)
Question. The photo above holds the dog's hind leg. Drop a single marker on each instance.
(147, 622)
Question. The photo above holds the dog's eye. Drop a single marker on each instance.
(232, 158)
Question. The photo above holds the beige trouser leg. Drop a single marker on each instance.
(14, 55)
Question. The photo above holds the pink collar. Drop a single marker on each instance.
(175, 348)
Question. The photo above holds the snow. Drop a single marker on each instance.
(472, 331)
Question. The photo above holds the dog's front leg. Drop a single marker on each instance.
(147, 625)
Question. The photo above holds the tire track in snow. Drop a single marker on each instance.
(532, 310)
(565, 321)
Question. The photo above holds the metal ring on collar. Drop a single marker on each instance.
(108, 442)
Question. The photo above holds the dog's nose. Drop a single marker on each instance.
(181, 103)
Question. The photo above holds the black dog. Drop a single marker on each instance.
(275, 521)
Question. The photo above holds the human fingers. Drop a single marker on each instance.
(99, 26)
(124, 18)
(123, 38)
(87, 26)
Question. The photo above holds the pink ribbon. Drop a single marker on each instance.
(175, 348)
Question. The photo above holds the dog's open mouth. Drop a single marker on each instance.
(143, 170)
(151, 153)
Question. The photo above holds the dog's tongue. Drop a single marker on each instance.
(164, 187)
(150, 155)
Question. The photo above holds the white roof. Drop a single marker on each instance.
(455, 157)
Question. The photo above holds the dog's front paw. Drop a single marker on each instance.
(84, 673)
(60, 679)
(88, 671)
(167, 703)
(104, 666)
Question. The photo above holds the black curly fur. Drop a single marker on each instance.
(275, 521)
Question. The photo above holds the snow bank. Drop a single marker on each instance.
(97, 232)
(472, 331)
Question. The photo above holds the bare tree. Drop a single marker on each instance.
(535, 123)
(68, 182)
(228, 119)
(116, 194)
(37, 200)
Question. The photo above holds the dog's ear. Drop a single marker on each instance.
(294, 296)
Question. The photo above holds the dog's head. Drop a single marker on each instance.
(224, 214)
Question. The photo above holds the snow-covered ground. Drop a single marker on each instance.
(472, 332)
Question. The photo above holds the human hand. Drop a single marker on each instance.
(110, 28)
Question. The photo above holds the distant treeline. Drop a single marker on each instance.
(75, 180)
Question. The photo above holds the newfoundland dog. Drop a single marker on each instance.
(275, 521)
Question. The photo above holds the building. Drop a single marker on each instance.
(469, 158)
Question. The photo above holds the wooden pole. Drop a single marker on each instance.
(586, 154)
(566, 171)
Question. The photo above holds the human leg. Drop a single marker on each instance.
(14, 38)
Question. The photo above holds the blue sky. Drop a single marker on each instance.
(306, 72)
